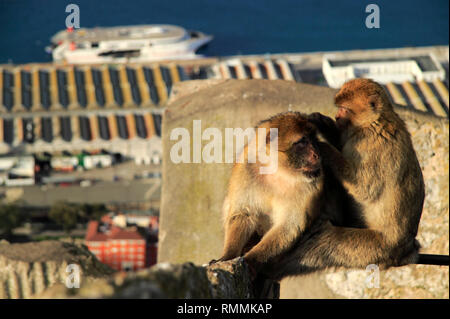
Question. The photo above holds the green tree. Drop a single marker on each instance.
(93, 211)
(65, 214)
(11, 216)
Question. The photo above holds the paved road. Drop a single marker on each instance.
(125, 171)
(143, 190)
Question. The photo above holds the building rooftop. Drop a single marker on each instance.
(95, 106)
(98, 231)
(425, 62)
(149, 32)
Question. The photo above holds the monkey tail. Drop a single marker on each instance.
(405, 255)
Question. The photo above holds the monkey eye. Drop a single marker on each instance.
(301, 142)
(344, 111)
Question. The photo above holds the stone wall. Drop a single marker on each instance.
(229, 280)
(39, 270)
(31, 268)
(192, 194)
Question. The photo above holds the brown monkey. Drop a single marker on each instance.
(379, 169)
(280, 206)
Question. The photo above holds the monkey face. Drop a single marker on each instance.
(297, 143)
(360, 102)
(303, 155)
(343, 117)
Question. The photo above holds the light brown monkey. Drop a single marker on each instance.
(280, 206)
(379, 169)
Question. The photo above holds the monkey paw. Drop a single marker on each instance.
(213, 261)
(254, 266)
(315, 116)
(252, 271)
(320, 120)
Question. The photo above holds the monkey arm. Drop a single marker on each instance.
(327, 127)
(238, 230)
(342, 169)
(276, 241)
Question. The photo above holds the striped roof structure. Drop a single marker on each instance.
(54, 108)
(40, 132)
(278, 69)
(51, 107)
(431, 97)
(56, 88)
(66, 127)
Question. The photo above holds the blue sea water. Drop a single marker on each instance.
(239, 26)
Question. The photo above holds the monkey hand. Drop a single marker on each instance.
(326, 126)
(213, 261)
(321, 121)
(253, 270)
(223, 258)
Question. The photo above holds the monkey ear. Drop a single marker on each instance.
(374, 103)
(271, 137)
(311, 127)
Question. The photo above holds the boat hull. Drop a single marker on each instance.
(130, 50)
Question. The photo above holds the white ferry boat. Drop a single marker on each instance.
(126, 44)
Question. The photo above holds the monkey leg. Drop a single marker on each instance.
(238, 230)
(277, 240)
(334, 246)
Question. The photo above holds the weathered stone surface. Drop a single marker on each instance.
(30, 268)
(192, 194)
(229, 279)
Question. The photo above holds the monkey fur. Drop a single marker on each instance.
(378, 167)
(276, 208)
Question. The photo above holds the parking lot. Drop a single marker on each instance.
(119, 184)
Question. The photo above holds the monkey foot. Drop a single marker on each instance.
(253, 269)
(213, 261)
(266, 288)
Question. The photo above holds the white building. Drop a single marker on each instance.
(382, 70)
(17, 170)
